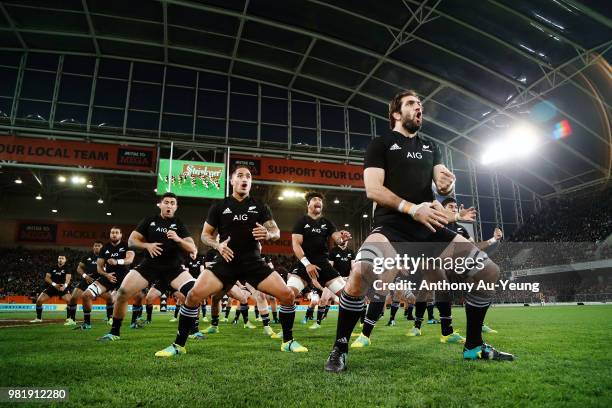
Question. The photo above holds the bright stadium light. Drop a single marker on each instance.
(54, 211)
(39, 197)
(292, 194)
(89, 185)
(336, 201)
(61, 179)
(520, 142)
(365, 215)
(346, 225)
(281, 198)
(109, 213)
(18, 180)
(100, 201)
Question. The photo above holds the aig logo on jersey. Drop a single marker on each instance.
(414, 155)
(241, 217)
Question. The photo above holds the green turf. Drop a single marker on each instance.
(564, 360)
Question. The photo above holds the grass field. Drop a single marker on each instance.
(564, 360)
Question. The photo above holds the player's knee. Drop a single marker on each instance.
(122, 295)
(286, 297)
(489, 273)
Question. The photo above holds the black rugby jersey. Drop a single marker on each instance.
(91, 264)
(316, 235)
(408, 164)
(454, 226)
(154, 229)
(58, 274)
(236, 219)
(342, 259)
(116, 252)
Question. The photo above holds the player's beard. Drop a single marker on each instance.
(411, 125)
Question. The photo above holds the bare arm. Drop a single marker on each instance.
(101, 270)
(424, 213)
(374, 179)
(273, 230)
(129, 257)
(209, 236)
(68, 279)
(296, 244)
(443, 179)
(187, 244)
(81, 269)
(48, 279)
(137, 240)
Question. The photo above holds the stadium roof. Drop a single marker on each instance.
(480, 66)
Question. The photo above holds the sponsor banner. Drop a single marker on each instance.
(66, 233)
(17, 307)
(302, 171)
(36, 232)
(191, 179)
(77, 153)
(280, 246)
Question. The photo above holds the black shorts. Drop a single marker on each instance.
(82, 285)
(327, 272)
(414, 233)
(163, 287)
(252, 271)
(52, 291)
(159, 273)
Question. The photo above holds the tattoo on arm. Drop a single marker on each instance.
(273, 229)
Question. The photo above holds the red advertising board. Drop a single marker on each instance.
(66, 233)
(302, 171)
(77, 153)
(280, 246)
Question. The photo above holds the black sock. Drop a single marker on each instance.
(265, 319)
(326, 311)
(238, 311)
(309, 313)
(350, 310)
(110, 307)
(68, 314)
(446, 320)
(244, 310)
(204, 309)
(409, 312)
(320, 313)
(176, 310)
(394, 307)
(72, 311)
(39, 310)
(86, 316)
(475, 317)
(187, 315)
(196, 325)
(430, 311)
(136, 310)
(256, 312)
(116, 328)
(363, 313)
(287, 316)
(149, 312)
(419, 313)
(372, 315)
(228, 309)
(405, 310)
(275, 315)
(214, 320)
